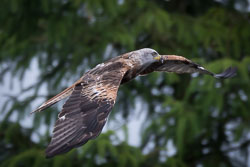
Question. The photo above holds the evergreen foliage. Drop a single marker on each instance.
(207, 120)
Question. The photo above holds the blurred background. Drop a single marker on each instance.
(158, 120)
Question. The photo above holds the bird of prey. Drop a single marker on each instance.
(93, 96)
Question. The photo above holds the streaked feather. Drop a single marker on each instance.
(85, 112)
(179, 64)
(93, 96)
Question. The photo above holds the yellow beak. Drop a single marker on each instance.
(157, 57)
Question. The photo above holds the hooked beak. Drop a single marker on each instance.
(159, 57)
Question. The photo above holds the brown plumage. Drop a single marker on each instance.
(93, 96)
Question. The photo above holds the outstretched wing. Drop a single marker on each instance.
(85, 112)
(179, 64)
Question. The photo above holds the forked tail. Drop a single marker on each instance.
(55, 99)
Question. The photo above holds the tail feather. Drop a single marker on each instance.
(67, 92)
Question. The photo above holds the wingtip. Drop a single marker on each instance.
(228, 73)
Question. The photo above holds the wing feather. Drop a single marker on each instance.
(85, 112)
(179, 64)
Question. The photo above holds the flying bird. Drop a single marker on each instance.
(93, 96)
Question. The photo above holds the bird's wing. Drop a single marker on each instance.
(85, 112)
(179, 64)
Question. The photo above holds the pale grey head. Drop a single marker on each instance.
(146, 56)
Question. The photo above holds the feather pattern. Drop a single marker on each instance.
(179, 64)
(93, 96)
(85, 112)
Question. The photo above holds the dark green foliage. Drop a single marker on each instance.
(207, 120)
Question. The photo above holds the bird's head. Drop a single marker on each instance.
(147, 56)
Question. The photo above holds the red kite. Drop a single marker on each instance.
(93, 96)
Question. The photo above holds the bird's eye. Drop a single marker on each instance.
(154, 53)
